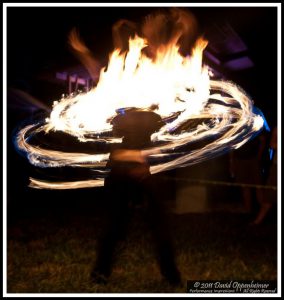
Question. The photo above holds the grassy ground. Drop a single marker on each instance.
(51, 254)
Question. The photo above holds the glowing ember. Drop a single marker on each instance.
(180, 90)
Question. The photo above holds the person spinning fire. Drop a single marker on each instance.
(128, 182)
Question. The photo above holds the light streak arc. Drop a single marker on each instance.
(245, 125)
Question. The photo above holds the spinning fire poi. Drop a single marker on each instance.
(150, 75)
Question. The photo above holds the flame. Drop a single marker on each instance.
(134, 80)
(176, 85)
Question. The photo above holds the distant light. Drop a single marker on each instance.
(239, 64)
(271, 153)
(73, 78)
(213, 58)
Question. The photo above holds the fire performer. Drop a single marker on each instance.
(130, 180)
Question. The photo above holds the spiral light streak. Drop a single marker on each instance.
(178, 87)
(236, 133)
(50, 158)
(42, 184)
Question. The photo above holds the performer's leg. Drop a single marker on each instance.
(161, 232)
(118, 216)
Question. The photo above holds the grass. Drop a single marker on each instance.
(51, 254)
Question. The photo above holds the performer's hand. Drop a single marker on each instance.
(129, 155)
(139, 171)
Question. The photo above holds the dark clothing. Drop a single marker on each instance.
(130, 183)
(122, 194)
